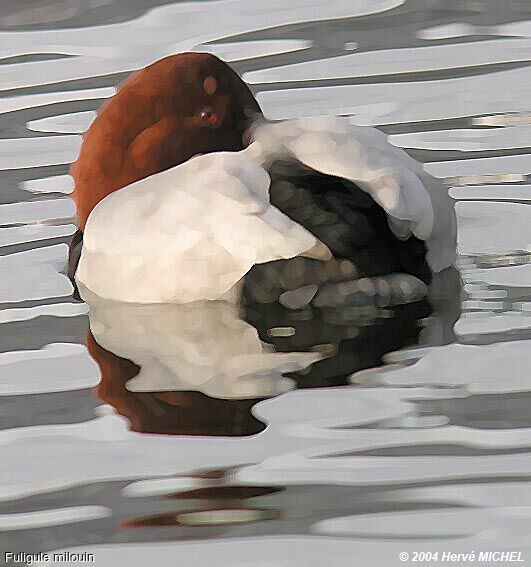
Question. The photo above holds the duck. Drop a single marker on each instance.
(185, 192)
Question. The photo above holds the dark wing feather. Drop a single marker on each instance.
(347, 220)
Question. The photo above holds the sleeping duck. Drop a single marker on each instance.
(186, 193)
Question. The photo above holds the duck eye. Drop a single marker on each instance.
(207, 116)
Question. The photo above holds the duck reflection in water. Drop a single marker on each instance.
(199, 368)
(186, 369)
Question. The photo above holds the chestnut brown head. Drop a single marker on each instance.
(161, 116)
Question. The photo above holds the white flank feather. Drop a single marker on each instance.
(187, 234)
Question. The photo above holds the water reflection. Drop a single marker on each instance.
(198, 369)
(221, 506)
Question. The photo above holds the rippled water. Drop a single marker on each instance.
(425, 449)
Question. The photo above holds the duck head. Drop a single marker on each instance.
(161, 116)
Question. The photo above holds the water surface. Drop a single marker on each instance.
(380, 450)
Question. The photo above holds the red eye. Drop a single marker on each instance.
(207, 116)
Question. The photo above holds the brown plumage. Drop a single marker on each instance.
(161, 116)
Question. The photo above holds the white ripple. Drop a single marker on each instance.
(240, 50)
(55, 256)
(161, 486)
(33, 283)
(53, 184)
(36, 211)
(460, 29)
(107, 428)
(466, 140)
(489, 323)
(72, 123)
(509, 276)
(309, 467)
(55, 517)
(481, 305)
(34, 274)
(292, 450)
(48, 369)
(417, 431)
(23, 153)
(503, 119)
(12, 104)
(487, 494)
(424, 524)
(338, 407)
(52, 310)
(387, 103)
(491, 227)
(476, 368)
(397, 61)
(104, 449)
(502, 165)
(498, 192)
(126, 46)
(33, 232)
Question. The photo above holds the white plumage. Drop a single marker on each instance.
(186, 234)
(415, 202)
(201, 346)
(192, 232)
